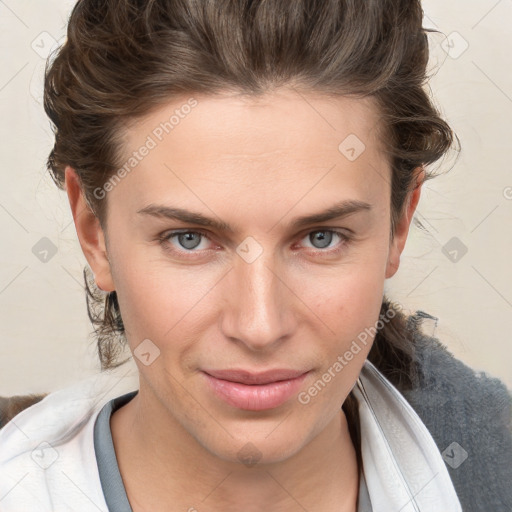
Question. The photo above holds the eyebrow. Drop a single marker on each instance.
(336, 211)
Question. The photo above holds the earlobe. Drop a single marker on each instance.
(89, 231)
(402, 228)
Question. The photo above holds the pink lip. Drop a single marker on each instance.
(257, 392)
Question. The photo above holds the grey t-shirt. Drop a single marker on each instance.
(110, 476)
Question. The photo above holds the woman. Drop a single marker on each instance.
(242, 176)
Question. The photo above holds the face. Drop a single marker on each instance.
(240, 274)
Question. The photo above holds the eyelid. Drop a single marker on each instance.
(334, 229)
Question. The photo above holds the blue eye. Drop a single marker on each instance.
(321, 241)
(324, 237)
(188, 240)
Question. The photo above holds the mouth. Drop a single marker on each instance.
(247, 377)
(254, 392)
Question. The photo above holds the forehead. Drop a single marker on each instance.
(279, 139)
(228, 121)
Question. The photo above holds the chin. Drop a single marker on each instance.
(258, 449)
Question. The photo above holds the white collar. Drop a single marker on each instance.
(402, 465)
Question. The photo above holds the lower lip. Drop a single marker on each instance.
(255, 397)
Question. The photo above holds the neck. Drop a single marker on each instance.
(163, 466)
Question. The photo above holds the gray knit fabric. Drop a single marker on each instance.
(469, 415)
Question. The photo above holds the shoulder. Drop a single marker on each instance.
(40, 447)
(469, 415)
(445, 380)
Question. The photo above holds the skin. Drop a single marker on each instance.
(256, 164)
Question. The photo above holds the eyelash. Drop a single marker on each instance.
(167, 236)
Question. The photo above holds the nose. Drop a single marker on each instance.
(258, 304)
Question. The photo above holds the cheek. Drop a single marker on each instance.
(157, 300)
(350, 295)
(348, 308)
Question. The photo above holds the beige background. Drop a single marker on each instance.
(45, 336)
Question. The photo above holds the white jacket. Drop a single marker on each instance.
(48, 463)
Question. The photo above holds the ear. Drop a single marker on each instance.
(402, 228)
(89, 231)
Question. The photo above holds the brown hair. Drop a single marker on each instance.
(124, 58)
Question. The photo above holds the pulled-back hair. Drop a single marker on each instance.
(125, 58)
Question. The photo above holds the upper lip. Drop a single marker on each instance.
(247, 377)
